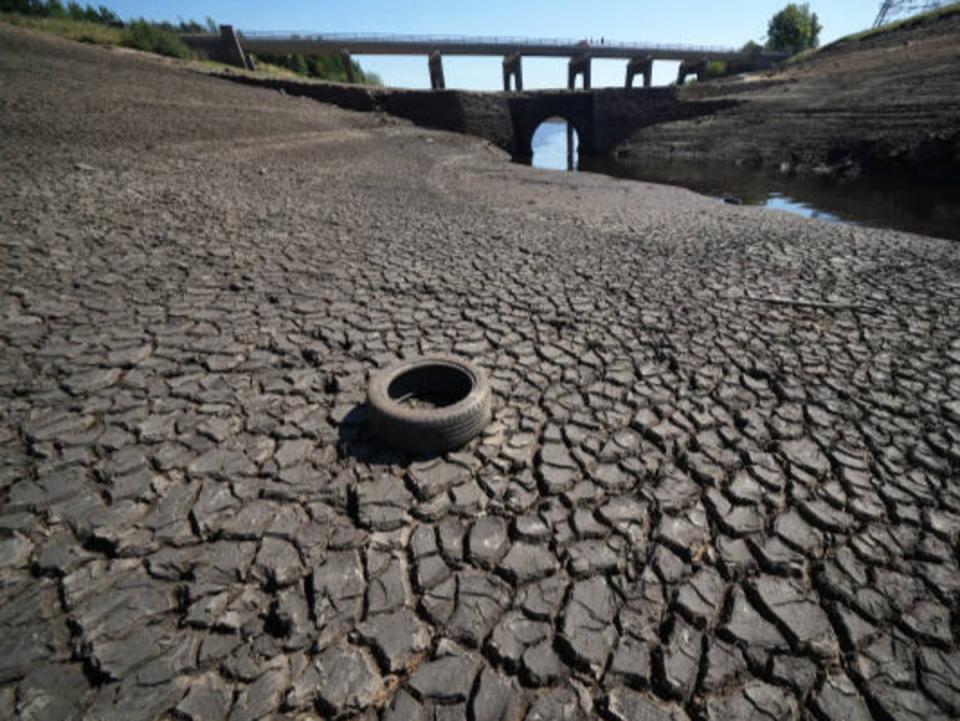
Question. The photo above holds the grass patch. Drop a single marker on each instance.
(717, 68)
(945, 11)
(140, 35)
(80, 30)
(914, 21)
(103, 27)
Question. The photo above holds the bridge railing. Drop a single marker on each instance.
(347, 39)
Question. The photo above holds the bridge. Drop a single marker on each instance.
(602, 117)
(237, 47)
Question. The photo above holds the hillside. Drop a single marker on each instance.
(883, 104)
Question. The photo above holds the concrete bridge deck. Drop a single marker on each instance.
(386, 44)
(237, 47)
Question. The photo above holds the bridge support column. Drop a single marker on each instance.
(640, 66)
(692, 67)
(232, 51)
(435, 62)
(512, 67)
(579, 65)
(348, 65)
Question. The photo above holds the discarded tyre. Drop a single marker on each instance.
(428, 405)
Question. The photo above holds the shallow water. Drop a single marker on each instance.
(914, 206)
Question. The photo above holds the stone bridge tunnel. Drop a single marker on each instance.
(603, 118)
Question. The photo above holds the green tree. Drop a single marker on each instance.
(793, 29)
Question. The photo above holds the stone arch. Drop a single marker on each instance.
(528, 114)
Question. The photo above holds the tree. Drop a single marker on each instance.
(793, 29)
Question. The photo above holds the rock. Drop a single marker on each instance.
(15, 551)
(541, 665)
(278, 563)
(497, 698)
(749, 627)
(209, 699)
(513, 635)
(404, 707)
(839, 700)
(542, 599)
(631, 661)
(52, 693)
(556, 454)
(625, 704)
(115, 659)
(725, 664)
(826, 517)
(223, 463)
(91, 381)
(488, 541)
(685, 533)
(291, 453)
(222, 564)
(264, 695)
(797, 672)
(445, 680)
(396, 638)
(383, 504)
(593, 557)
(348, 680)
(435, 477)
(386, 583)
(526, 562)
(681, 659)
(800, 616)
(588, 629)
(338, 588)
(940, 677)
(702, 595)
(559, 704)
(806, 454)
(757, 701)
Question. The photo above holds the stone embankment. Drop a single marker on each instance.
(887, 104)
(720, 482)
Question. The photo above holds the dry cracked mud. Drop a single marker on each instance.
(720, 483)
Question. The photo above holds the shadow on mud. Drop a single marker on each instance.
(355, 441)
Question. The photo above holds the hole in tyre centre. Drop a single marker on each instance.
(430, 387)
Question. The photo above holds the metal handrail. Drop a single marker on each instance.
(466, 40)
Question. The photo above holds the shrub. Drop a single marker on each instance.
(794, 29)
(716, 68)
(153, 38)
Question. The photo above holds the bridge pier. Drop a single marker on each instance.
(512, 67)
(579, 65)
(231, 50)
(348, 65)
(435, 63)
(640, 66)
(689, 67)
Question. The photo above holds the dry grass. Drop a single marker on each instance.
(933, 15)
(79, 30)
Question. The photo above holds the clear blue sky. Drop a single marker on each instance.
(702, 22)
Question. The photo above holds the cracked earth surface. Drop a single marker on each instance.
(720, 482)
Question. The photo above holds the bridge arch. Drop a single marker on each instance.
(558, 149)
(529, 113)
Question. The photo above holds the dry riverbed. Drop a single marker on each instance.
(721, 480)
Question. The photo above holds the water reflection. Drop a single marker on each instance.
(555, 145)
(925, 208)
